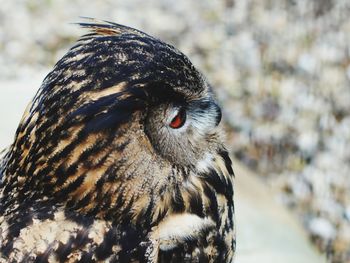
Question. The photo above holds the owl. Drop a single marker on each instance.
(118, 158)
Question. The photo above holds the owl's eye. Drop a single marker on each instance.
(179, 120)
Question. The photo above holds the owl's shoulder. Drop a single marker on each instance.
(60, 238)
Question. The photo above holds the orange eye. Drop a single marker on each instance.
(179, 120)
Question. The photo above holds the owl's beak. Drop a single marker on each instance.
(218, 114)
(206, 112)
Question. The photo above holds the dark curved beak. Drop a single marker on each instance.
(207, 107)
(218, 113)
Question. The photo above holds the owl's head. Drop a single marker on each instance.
(162, 93)
(121, 114)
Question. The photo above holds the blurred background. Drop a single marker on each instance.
(281, 71)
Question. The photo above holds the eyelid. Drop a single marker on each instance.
(175, 111)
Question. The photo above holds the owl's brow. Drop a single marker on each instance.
(162, 93)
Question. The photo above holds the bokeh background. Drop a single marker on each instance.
(280, 68)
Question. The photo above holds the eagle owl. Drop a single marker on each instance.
(118, 158)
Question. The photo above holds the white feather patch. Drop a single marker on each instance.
(204, 164)
(178, 228)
